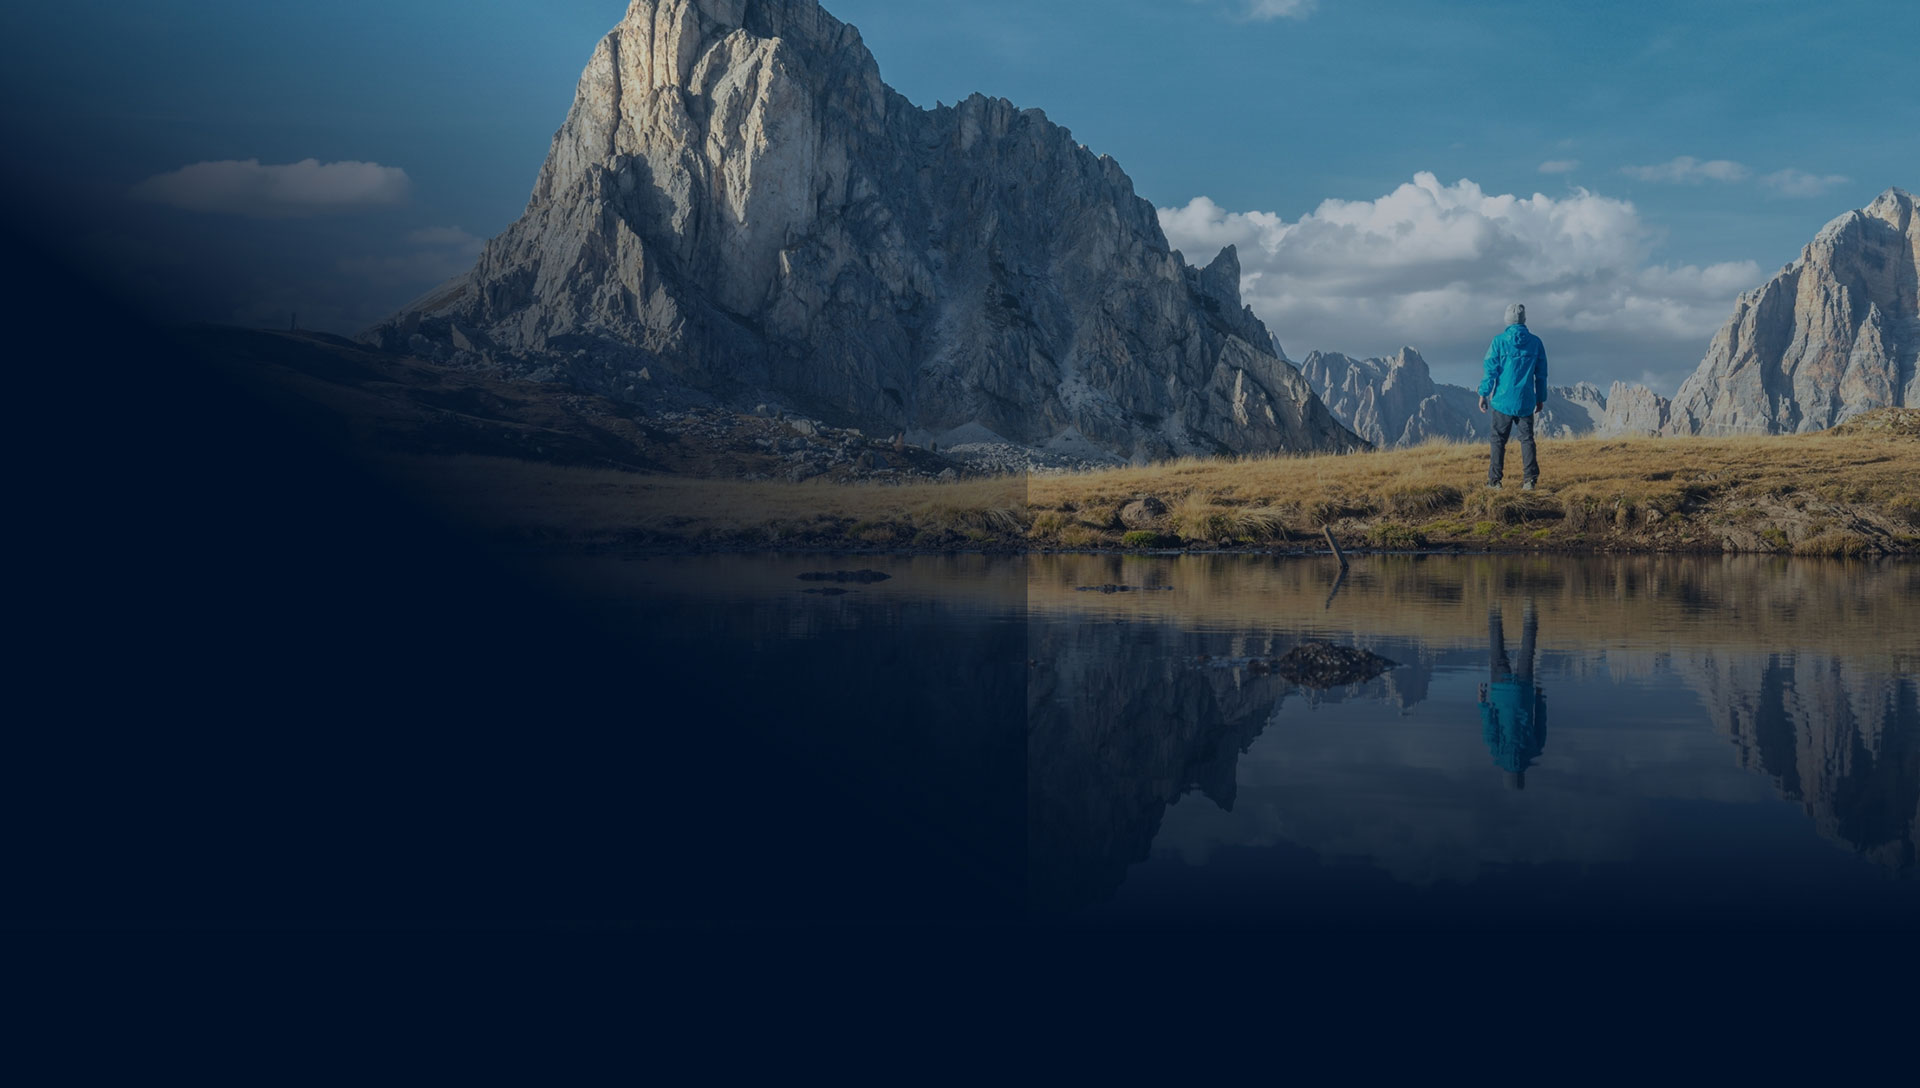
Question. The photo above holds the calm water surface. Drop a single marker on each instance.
(1562, 742)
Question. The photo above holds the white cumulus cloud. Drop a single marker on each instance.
(1559, 166)
(1435, 266)
(447, 237)
(1261, 11)
(1689, 170)
(1266, 10)
(1791, 182)
(259, 190)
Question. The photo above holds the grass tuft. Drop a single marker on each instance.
(1835, 544)
(1420, 500)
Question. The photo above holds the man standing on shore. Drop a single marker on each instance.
(1515, 387)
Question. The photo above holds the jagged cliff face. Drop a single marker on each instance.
(1836, 333)
(1392, 401)
(739, 207)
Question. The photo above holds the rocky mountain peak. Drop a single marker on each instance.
(738, 210)
(1894, 207)
(1834, 334)
(1409, 362)
(1221, 278)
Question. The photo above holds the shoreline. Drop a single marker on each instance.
(828, 550)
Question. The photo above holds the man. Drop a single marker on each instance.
(1515, 387)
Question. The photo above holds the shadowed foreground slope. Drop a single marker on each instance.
(540, 462)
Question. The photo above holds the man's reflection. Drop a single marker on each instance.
(1513, 717)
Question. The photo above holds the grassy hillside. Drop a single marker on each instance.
(1849, 493)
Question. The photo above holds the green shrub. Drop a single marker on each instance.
(1147, 538)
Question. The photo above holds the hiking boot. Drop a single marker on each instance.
(1493, 487)
(1528, 486)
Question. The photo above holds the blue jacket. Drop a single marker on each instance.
(1513, 722)
(1516, 378)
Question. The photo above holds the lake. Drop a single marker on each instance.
(1558, 742)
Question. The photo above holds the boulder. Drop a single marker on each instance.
(1143, 513)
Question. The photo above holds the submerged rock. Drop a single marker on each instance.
(864, 577)
(1324, 665)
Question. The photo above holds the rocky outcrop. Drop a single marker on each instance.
(1572, 411)
(738, 208)
(1392, 401)
(1834, 334)
(1635, 410)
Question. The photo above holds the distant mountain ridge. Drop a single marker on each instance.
(1392, 401)
(1395, 402)
(738, 210)
(1834, 334)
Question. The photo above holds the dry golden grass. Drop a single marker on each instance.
(605, 506)
(1824, 494)
(1828, 494)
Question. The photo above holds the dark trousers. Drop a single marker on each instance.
(1504, 425)
(1500, 667)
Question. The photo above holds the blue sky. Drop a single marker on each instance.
(1680, 152)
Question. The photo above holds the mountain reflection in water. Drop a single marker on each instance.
(1169, 774)
(1732, 740)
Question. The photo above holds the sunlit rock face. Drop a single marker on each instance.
(737, 207)
(1835, 334)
